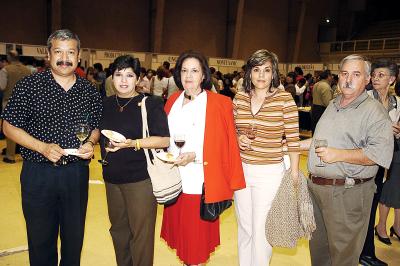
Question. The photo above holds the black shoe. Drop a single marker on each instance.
(393, 232)
(6, 160)
(371, 261)
(3, 152)
(385, 240)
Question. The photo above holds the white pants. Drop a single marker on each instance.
(252, 205)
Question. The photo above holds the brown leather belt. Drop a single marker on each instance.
(335, 181)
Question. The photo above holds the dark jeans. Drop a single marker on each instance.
(369, 246)
(54, 200)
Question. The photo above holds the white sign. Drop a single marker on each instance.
(114, 54)
(309, 67)
(160, 58)
(2, 48)
(225, 62)
(34, 50)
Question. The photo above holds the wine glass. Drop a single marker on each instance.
(320, 143)
(251, 131)
(107, 145)
(82, 132)
(179, 140)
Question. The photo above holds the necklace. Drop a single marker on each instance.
(121, 108)
(190, 97)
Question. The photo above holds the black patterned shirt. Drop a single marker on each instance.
(42, 108)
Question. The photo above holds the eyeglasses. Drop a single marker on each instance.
(378, 75)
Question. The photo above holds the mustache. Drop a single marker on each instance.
(347, 85)
(67, 63)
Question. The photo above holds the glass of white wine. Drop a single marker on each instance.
(320, 143)
(82, 131)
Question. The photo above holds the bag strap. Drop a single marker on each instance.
(145, 129)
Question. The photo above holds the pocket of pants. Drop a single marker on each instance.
(353, 203)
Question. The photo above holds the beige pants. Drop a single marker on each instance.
(252, 205)
(342, 217)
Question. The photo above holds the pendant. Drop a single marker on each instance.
(121, 109)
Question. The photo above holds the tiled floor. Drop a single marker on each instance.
(98, 249)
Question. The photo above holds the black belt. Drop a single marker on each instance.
(335, 181)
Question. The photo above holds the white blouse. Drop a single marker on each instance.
(189, 120)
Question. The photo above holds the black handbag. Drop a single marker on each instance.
(211, 211)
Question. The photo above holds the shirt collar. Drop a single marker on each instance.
(50, 79)
(354, 104)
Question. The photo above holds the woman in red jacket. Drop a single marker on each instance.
(209, 155)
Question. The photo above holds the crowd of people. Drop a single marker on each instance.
(236, 127)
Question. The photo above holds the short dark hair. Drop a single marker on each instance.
(212, 70)
(293, 76)
(259, 58)
(126, 61)
(325, 74)
(301, 82)
(298, 70)
(63, 35)
(98, 66)
(166, 64)
(206, 83)
(385, 63)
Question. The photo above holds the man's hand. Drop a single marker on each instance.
(328, 154)
(52, 151)
(86, 150)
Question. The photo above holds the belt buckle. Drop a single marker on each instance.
(349, 182)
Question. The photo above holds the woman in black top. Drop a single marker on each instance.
(131, 205)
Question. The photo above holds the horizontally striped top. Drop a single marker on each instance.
(277, 118)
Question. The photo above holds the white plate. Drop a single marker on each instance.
(113, 135)
(166, 156)
(74, 152)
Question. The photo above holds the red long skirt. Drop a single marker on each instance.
(182, 228)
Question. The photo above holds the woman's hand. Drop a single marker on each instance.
(396, 130)
(128, 143)
(244, 142)
(185, 158)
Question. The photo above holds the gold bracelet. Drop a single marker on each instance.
(137, 144)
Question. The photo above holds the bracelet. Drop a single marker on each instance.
(137, 145)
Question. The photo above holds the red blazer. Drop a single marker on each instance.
(223, 172)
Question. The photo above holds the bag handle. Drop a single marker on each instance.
(145, 129)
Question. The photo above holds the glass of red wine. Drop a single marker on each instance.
(179, 140)
(251, 131)
(107, 145)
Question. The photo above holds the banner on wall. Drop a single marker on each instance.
(3, 49)
(308, 67)
(34, 50)
(165, 57)
(111, 55)
(222, 62)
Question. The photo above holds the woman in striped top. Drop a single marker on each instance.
(264, 115)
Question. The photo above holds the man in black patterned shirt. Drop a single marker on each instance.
(41, 116)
